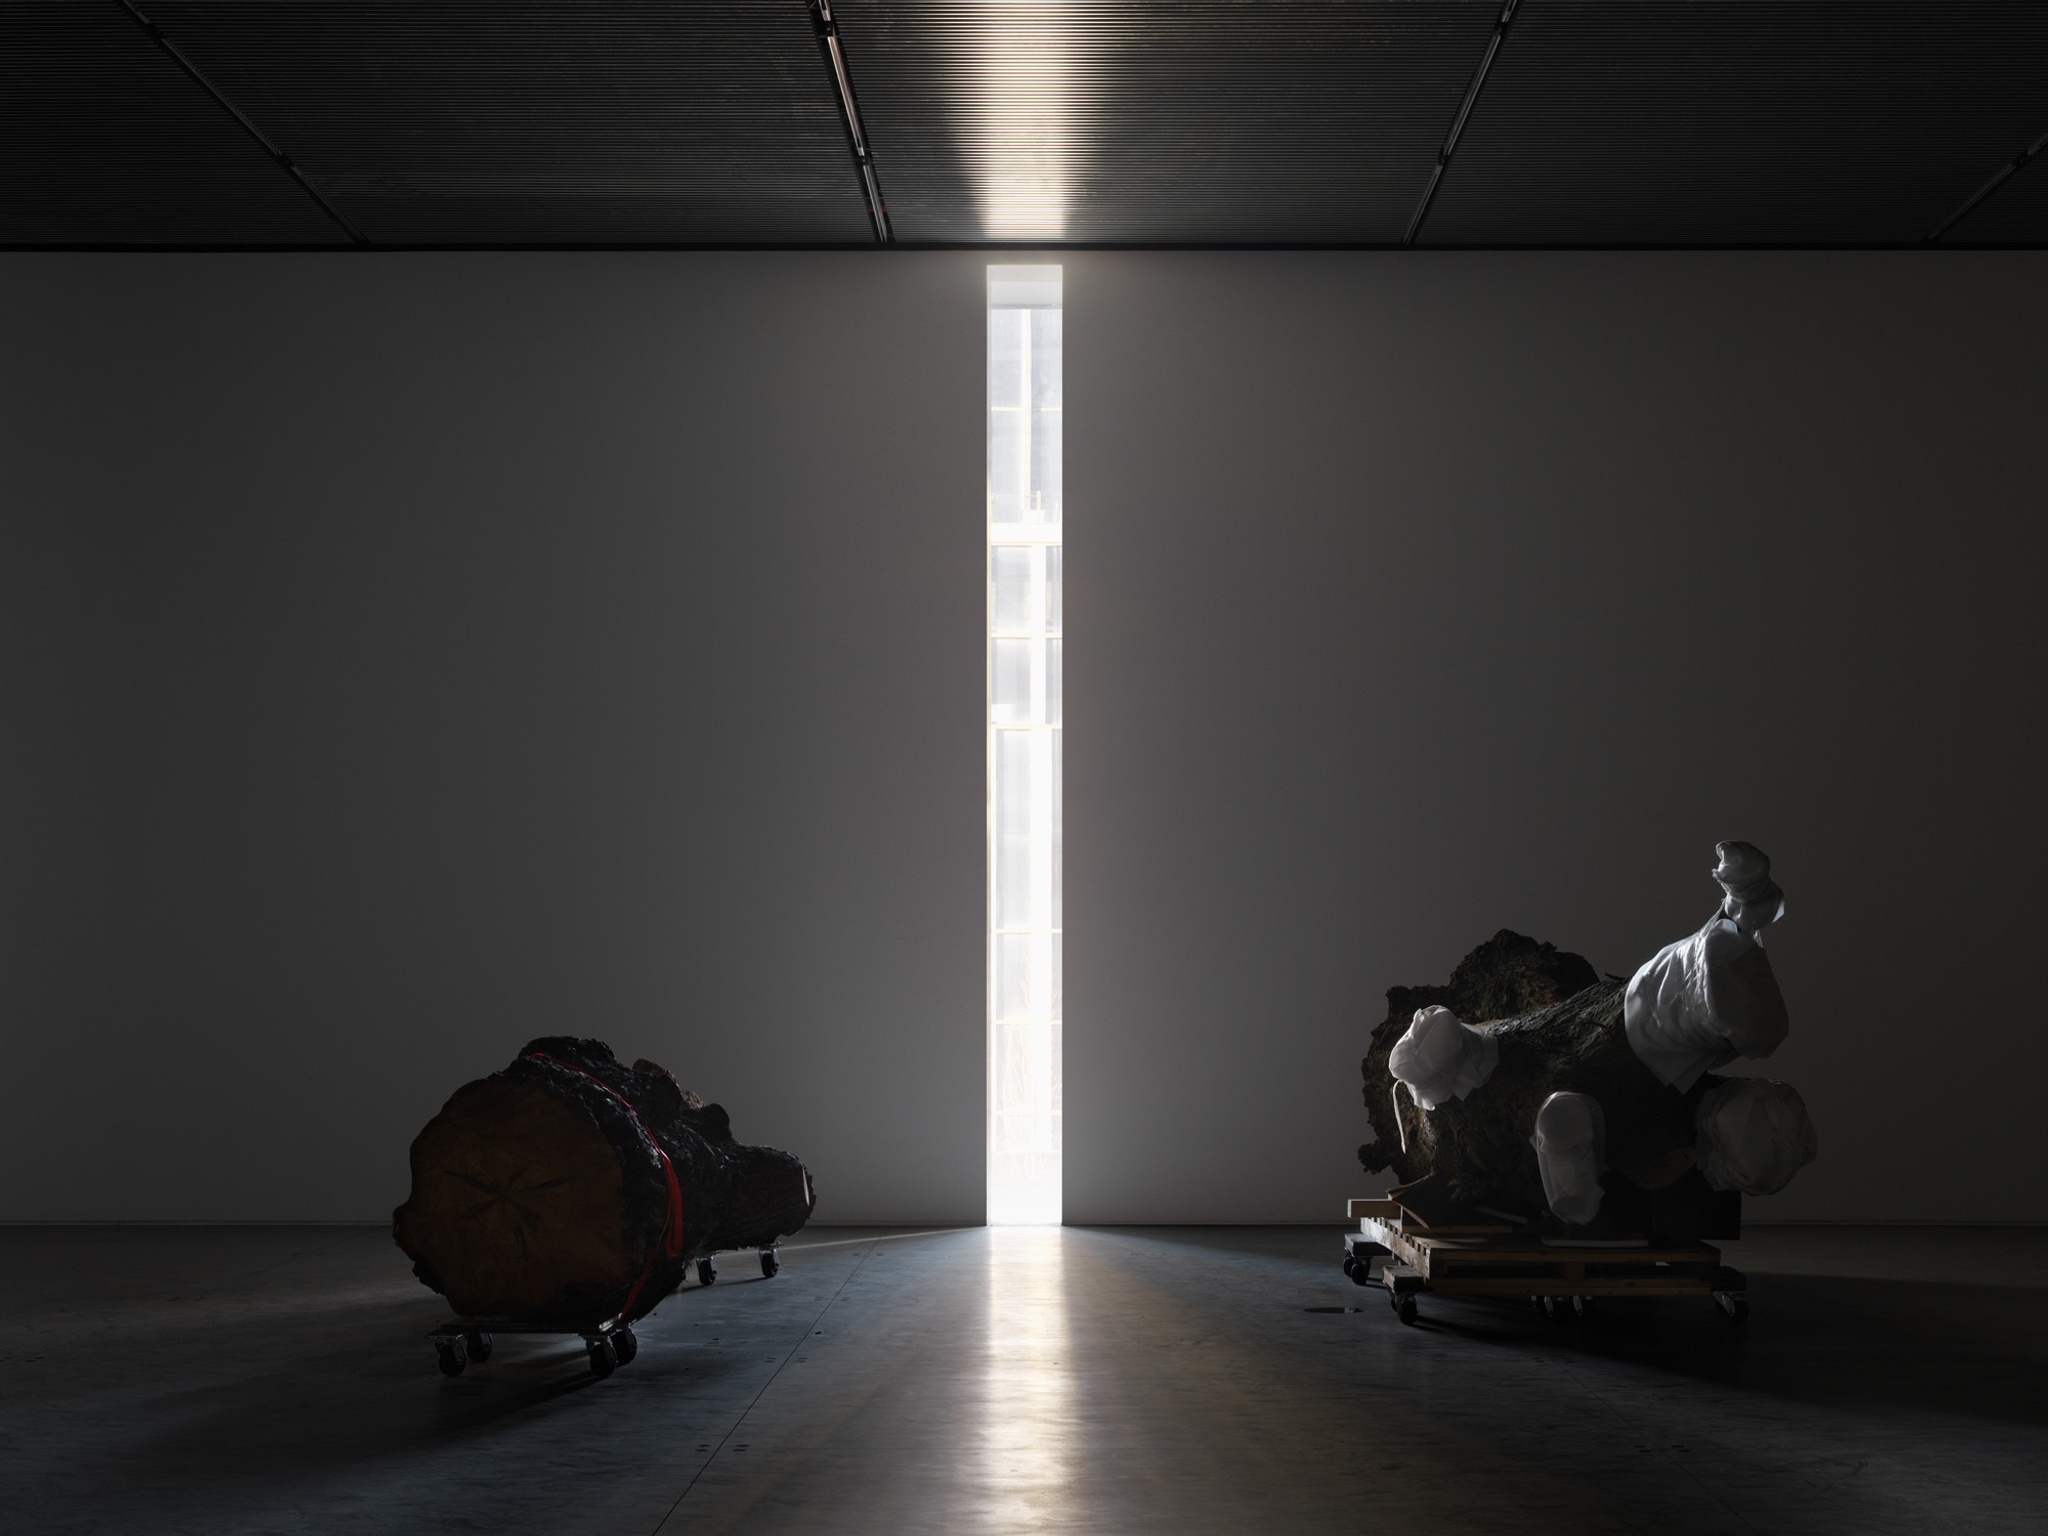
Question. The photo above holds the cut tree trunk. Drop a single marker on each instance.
(569, 1189)
(1559, 1030)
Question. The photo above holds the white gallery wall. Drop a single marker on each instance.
(408, 657)
(1434, 595)
(402, 656)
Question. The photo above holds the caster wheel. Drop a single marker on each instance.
(449, 1353)
(771, 1261)
(1361, 1271)
(625, 1345)
(1733, 1305)
(1582, 1307)
(707, 1272)
(479, 1345)
(1350, 1267)
(1404, 1307)
(603, 1358)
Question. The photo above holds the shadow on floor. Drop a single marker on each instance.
(1940, 1346)
(1836, 1342)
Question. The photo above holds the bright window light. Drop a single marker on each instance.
(1024, 727)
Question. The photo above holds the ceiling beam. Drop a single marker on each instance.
(156, 35)
(2017, 163)
(849, 111)
(1450, 145)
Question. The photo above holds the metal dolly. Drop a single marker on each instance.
(457, 1345)
(467, 1341)
(771, 1262)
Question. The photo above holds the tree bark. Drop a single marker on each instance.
(1559, 1030)
(570, 1189)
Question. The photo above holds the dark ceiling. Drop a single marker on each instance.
(1110, 122)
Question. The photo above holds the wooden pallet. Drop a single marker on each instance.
(1475, 1257)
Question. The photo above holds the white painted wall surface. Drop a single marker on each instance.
(1416, 598)
(401, 656)
(407, 657)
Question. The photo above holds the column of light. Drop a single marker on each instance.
(1025, 727)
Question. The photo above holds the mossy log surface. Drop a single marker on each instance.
(1559, 1029)
(539, 1197)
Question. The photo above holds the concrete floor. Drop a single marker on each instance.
(227, 1380)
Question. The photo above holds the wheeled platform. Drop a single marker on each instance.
(459, 1345)
(707, 1268)
(466, 1342)
(1396, 1249)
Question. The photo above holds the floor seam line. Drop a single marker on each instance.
(773, 1376)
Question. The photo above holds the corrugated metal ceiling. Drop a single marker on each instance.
(1743, 122)
(2014, 211)
(105, 140)
(1121, 120)
(525, 121)
(1258, 122)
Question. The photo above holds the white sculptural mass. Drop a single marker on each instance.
(1571, 1154)
(1692, 1008)
(1698, 1004)
(1442, 1058)
(1754, 1134)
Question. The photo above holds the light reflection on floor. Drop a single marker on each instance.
(1028, 1399)
(1020, 1382)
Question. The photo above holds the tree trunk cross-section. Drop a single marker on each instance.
(569, 1190)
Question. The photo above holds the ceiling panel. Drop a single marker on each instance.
(2015, 213)
(543, 121)
(1740, 122)
(1264, 121)
(104, 140)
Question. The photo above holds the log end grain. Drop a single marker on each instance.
(516, 1202)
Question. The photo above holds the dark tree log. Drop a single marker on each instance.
(1559, 1030)
(540, 1195)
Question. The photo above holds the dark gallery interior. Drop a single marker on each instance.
(533, 840)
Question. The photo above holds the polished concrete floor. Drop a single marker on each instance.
(226, 1380)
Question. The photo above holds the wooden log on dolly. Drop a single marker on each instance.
(570, 1190)
(1558, 1027)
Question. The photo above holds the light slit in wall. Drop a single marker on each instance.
(1025, 644)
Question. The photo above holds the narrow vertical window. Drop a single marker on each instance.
(1024, 726)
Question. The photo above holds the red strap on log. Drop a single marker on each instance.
(672, 1229)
